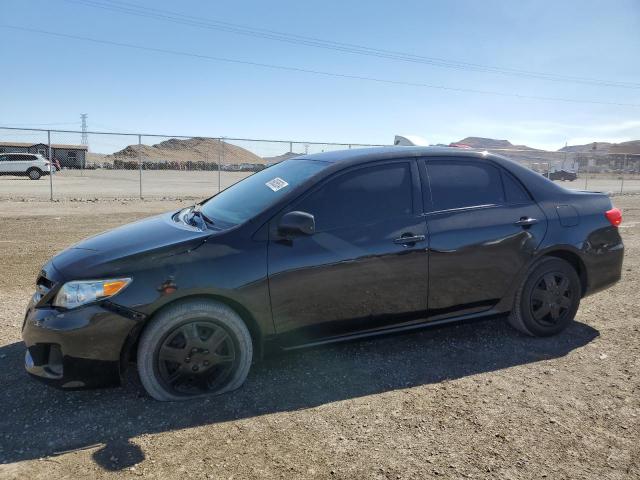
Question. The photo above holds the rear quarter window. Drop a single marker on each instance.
(513, 189)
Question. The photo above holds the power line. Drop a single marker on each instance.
(39, 124)
(316, 72)
(175, 17)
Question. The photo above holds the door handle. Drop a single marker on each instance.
(409, 239)
(526, 221)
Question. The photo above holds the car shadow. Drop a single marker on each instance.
(40, 421)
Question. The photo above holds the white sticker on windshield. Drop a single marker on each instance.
(276, 184)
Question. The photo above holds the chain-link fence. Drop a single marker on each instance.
(614, 170)
(96, 165)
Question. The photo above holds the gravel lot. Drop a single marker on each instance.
(105, 184)
(470, 401)
(89, 184)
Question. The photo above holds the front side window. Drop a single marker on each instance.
(254, 194)
(361, 196)
(460, 184)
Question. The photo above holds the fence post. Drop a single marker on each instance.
(52, 166)
(140, 164)
(586, 175)
(219, 161)
(290, 147)
(624, 166)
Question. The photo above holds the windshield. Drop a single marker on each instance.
(256, 193)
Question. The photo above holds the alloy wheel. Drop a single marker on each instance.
(196, 357)
(551, 298)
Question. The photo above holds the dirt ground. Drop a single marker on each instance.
(469, 401)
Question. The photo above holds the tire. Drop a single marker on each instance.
(169, 366)
(548, 298)
(34, 173)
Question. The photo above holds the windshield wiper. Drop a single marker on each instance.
(196, 213)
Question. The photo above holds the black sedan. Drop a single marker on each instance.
(563, 175)
(319, 248)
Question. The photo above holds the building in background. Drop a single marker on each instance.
(68, 156)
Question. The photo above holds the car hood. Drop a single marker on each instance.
(117, 250)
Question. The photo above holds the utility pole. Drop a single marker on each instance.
(85, 138)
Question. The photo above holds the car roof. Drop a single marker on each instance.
(19, 153)
(357, 155)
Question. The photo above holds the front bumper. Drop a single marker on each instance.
(80, 348)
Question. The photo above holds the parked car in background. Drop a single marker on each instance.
(316, 249)
(563, 175)
(33, 165)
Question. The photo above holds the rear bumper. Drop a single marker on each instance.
(604, 268)
(78, 348)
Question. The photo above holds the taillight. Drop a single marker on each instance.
(614, 216)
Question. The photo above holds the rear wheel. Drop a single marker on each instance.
(548, 300)
(192, 349)
(34, 173)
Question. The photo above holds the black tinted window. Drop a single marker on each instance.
(513, 190)
(362, 196)
(246, 199)
(457, 184)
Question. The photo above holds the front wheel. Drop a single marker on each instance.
(194, 348)
(548, 300)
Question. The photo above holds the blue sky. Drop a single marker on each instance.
(52, 80)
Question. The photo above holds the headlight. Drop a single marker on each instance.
(75, 294)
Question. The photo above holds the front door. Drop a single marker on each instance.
(14, 164)
(484, 228)
(366, 266)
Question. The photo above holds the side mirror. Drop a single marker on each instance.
(297, 223)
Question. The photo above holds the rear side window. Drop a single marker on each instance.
(361, 196)
(459, 184)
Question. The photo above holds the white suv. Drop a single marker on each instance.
(30, 164)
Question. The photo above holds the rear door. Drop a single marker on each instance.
(366, 266)
(484, 227)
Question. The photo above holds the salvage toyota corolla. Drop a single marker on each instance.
(319, 248)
